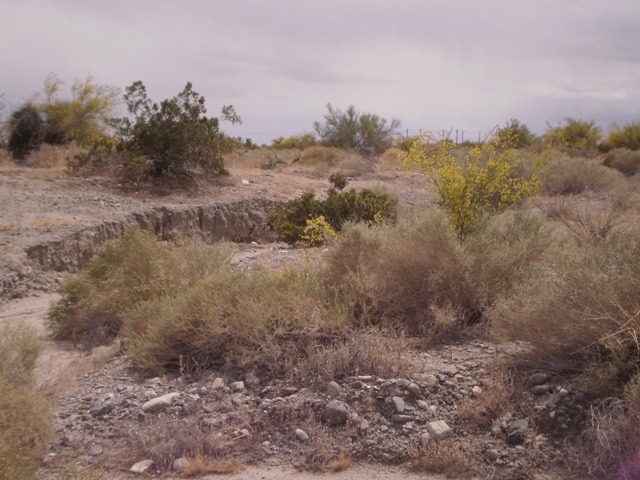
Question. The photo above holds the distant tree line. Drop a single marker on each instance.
(175, 137)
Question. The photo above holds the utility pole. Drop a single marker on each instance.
(479, 136)
(462, 136)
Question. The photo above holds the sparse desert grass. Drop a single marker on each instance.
(127, 271)
(353, 353)
(449, 457)
(24, 422)
(623, 160)
(389, 160)
(247, 318)
(479, 411)
(164, 440)
(581, 311)
(419, 277)
(566, 175)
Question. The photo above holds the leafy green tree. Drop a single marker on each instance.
(623, 137)
(574, 134)
(173, 136)
(84, 118)
(365, 133)
(25, 131)
(516, 133)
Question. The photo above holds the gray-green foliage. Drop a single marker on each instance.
(169, 138)
(365, 133)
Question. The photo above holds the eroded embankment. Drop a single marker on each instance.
(239, 221)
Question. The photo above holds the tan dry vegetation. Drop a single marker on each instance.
(565, 282)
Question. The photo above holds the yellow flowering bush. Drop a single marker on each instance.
(491, 177)
(317, 232)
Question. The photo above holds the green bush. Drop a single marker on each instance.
(365, 133)
(26, 128)
(290, 220)
(298, 142)
(623, 160)
(623, 137)
(515, 133)
(171, 138)
(574, 136)
(134, 268)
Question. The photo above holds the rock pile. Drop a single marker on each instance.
(269, 420)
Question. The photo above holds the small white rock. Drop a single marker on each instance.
(141, 467)
(245, 182)
(158, 403)
(439, 429)
(301, 435)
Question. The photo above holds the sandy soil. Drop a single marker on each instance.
(41, 205)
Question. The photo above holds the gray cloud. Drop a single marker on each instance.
(462, 64)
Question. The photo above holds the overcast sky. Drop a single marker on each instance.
(462, 64)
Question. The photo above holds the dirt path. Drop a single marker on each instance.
(60, 362)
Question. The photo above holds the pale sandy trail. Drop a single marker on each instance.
(60, 362)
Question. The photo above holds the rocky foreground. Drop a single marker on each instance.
(440, 417)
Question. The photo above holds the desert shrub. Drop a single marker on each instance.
(248, 319)
(172, 138)
(84, 118)
(515, 133)
(623, 137)
(581, 310)
(574, 136)
(25, 131)
(389, 160)
(317, 232)
(365, 133)
(580, 314)
(322, 155)
(623, 160)
(164, 440)
(566, 176)
(492, 177)
(24, 422)
(298, 142)
(355, 352)
(290, 220)
(419, 276)
(126, 271)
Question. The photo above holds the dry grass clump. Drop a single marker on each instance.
(126, 271)
(451, 458)
(566, 175)
(419, 277)
(164, 440)
(352, 353)
(24, 425)
(246, 318)
(610, 442)
(623, 160)
(481, 410)
(582, 309)
(261, 158)
(389, 160)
